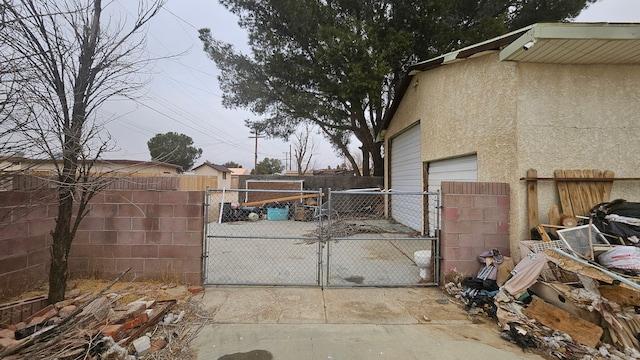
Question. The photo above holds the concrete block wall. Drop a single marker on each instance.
(156, 233)
(26, 219)
(475, 218)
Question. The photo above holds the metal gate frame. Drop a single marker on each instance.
(331, 249)
(423, 237)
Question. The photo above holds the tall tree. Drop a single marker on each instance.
(337, 63)
(174, 148)
(304, 149)
(268, 167)
(69, 64)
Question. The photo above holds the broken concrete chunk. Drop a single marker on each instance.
(136, 307)
(142, 345)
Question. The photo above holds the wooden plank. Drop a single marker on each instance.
(532, 199)
(580, 330)
(563, 193)
(620, 295)
(574, 193)
(597, 188)
(606, 195)
(543, 233)
(588, 201)
(554, 218)
(286, 198)
(573, 266)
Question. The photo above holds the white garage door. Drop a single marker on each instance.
(406, 175)
(458, 169)
(464, 169)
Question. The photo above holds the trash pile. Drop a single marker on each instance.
(574, 296)
(107, 325)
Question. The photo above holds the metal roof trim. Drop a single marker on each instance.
(568, 31)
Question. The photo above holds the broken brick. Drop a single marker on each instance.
(158, 344)
(36, 321)
(115, 331)
(8, 334)
(47, 312)
(6, 343)
(136, 321)
(195, 289)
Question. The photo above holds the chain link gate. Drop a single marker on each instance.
(268, 240)
(311, 238)
(375, 234)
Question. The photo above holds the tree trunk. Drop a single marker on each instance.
(62, 239)
(378, 160)
(366, 168)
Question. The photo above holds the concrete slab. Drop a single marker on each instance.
(349, 341)
(389, 306)
(260, 305)
(282, 323)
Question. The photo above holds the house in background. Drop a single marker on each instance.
(546, 97)
(150, 168)
(235, 176)
(222, 173)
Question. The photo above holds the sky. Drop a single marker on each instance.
(183, 95)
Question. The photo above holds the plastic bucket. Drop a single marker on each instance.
(277, 214)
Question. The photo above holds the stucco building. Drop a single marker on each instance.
(546, 97)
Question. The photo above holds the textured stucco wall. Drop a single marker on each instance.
(578, 117)
(517, 116)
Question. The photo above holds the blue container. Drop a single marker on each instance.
(277, 214)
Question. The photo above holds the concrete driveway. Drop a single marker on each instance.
(301, 323)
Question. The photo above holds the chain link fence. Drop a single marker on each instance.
(262, 237)
(335, 238)
(374, 236)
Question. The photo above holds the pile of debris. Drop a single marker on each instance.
(577, 297)
(106, 325)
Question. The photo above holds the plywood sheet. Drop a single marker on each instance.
(580, 330)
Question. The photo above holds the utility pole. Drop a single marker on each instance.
(286, 159)
(255, 160)
(290, 167)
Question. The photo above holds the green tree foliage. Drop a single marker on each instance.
(337, 63)
(231, 164)
(174, 148)
(268, 167)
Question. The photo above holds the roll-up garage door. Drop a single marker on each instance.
(406, 175)
(464, 169)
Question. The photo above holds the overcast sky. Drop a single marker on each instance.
(183, 94)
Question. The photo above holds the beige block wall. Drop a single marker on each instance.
(517, 116)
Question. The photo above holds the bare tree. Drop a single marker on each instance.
(69, 64)
(304, 148)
